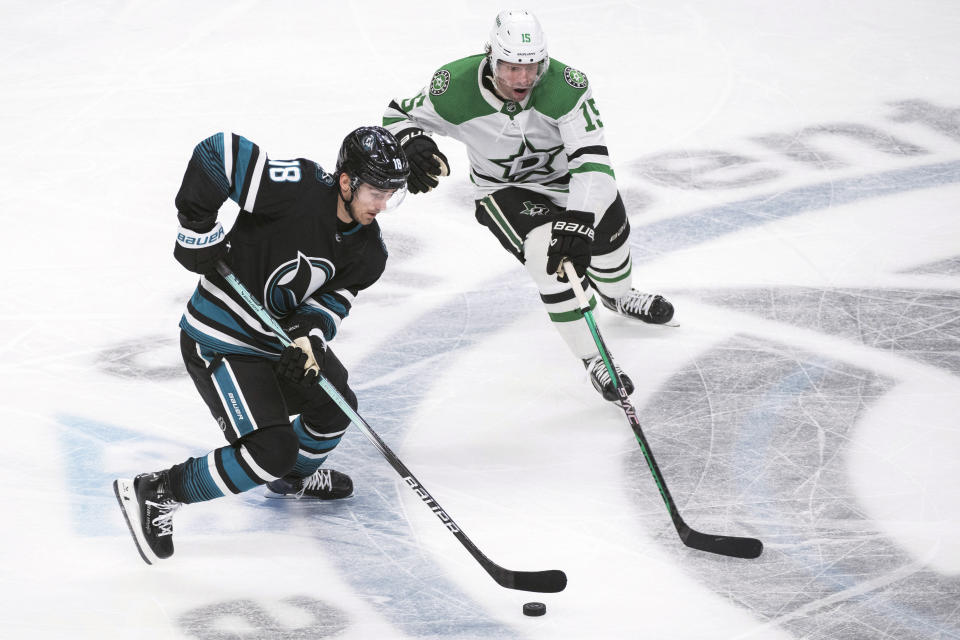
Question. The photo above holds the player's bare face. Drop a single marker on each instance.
(368, 202)
(515, 81)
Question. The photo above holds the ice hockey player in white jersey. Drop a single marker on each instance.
(544, 183)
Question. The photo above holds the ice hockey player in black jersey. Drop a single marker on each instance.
(543, 181)
(306, 242)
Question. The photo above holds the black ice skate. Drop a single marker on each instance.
(649, 307)
(602, 381)
(324, 484)
(148, 507)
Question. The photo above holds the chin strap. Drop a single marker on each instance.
(354, 183)
(348, 204)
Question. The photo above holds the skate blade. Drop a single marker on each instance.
(267, 493)
(279, 496)
(127, 498)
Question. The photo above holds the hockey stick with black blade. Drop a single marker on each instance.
(550, 581)
(732, 546)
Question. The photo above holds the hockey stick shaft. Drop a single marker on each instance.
(550, 581)
(724, 545)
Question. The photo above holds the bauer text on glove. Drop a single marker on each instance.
(199, 251)
(571, 236)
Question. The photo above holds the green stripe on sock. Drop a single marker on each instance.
(571, 316)
(623, 276)
(594, 166)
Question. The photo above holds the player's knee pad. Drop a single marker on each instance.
(350, 397)
(535, 261)
(322, 405)
(327, 416)
(274, 449)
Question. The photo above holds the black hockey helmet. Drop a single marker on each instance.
(373, 155)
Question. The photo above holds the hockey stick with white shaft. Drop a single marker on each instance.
(733, 546)
(550, 581)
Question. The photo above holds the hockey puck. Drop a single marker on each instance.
(534, 609)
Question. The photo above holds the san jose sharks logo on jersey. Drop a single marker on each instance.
(293, 282)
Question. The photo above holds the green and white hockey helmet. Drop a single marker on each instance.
(517, 38)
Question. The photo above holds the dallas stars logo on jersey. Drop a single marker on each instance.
(534, 209)
(574, 78)
(440, 82)
(528, 161)
(551, 143)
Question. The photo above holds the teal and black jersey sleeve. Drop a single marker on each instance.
(329, 309)
(227, 165)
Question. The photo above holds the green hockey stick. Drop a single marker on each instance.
(732, 546)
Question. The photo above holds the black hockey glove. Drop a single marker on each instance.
(301, 362)
(292, 367)
(427, 164)
(200, 251)
(571, 234)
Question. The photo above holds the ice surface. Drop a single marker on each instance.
(792, 175)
